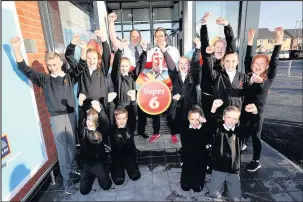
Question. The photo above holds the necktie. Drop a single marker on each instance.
(136, 54)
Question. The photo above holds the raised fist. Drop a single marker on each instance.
(251, 34)
(143, 44)
(76, 39)
(202, 119)
(15, 42)
(197, 42)
(96, 105)
(100, 33)
(82, 44)
(132, 94)
(210, 49)
(177, 97)
(162, 46)
(112, 96)
(279, 34)
(217, 103)
(112, 17)
(205, 17)
(123, 43)
(82, 97)
(221, 21)
(256, 79)
(251, 108)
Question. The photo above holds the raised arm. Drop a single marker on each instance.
(111, 107)
(171, 65)
(36, 77)
(246, 130)
(229, 34)
(102, 117)
(274, 60)
(142, 60)
(112, 17)
(106, 50)
(213, 119)
(132, 111)
(248, 56)
(203, 31)
(116, 64)
(208, 63)
(195, 61)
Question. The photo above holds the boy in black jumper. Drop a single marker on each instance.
(92, 69)
(263, 73)
(221, 47)
(184, 88)
(123, 155)
(195, 137)
(92, 148)
(228, 137)
(59, 95)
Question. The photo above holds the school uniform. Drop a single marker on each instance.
(92, 152)
(123, 153)
(257, 93)
(61, 104)
(207, 84)
(185, 85)
(227, 156)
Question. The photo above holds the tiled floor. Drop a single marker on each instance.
(277, 180)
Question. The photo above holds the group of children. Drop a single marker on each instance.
(108, 116)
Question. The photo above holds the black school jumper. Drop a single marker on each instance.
(123, 154)
(178, 110)
(93, 155)
(61, 104)
(206, 83)
(232, 93)
(257, 93)
(194, 156)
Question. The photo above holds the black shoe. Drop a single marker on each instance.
(144, 135)
(253, 166)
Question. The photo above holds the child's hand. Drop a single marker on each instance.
(96, 105)
(177, 97)
(279, 35)
(205, 18)
(197, 42)
(143, 44)
(112, 96)
(256, 79)
(202, 119)
(251, 34)
(82, 45)
(123, 43)
(112, 17)
(251, 108)
(101, 33)
(82, 97)
(162, 46)
(210, 49)
(217, 103)
(132, 95)
(76, 39)
(15, 42)
(221, 21)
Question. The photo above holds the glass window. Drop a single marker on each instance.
(118, 16)
(163, 25)
(127, 15)
(118, 27)
(141, 15)
(126, 35)
(228, 10)
(145, 35)
(141, 26)
(161, 14)
(127, 27)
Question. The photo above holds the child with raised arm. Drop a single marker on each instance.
(263, 71)
(58, 89)
(228, 136)
(123, 155)
(220, 48)
(92, 148)
(184, 88)
(93, 69)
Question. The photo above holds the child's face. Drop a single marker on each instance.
(231, 118)
(124, 67)
(193, 119)
(259, 66)
(92, 59)
(230, 62)
(90, 123)
(121, 120)
(54, 65)
(183, 65)
(220, 49)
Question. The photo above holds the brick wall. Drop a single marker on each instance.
(31, 28)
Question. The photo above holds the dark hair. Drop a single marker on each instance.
(119, 111)
(229, 53)
(196, 109)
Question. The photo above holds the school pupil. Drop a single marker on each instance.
(195, 137)
(263, 71)
(221, 47)
(228, 137)
(123, 153)
(92, 150)
(92, 68)
(59, 95)
(184, 88)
